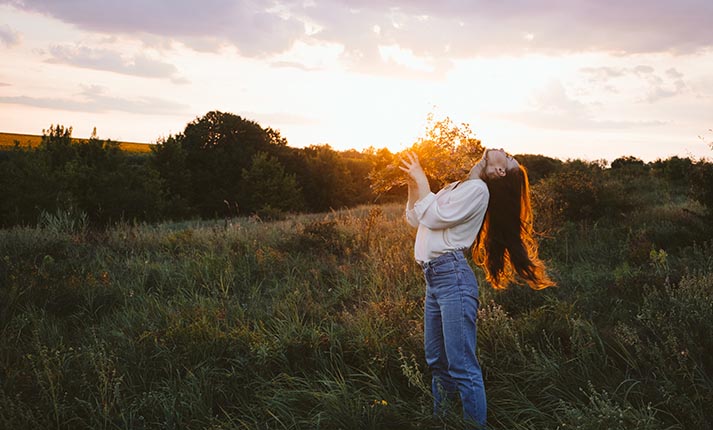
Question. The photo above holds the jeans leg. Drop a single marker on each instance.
(459, 312)
(442, 385)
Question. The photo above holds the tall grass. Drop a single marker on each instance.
(315, 322)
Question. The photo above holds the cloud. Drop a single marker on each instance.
(294, 65)
(94, 99)
(642, 70)
(659, 91)
(565, 122)
(554, 108)
(254, 26)
(464, 29)
(113, 61)
(603, 74)
(8, 36)
(673, 73)
(430, 30)
(656, 86)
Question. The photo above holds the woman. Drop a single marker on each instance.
(491, 205)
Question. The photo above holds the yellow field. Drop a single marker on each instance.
(7, 140)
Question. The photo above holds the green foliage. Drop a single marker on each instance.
(315, 321)
(267, 186)
(604, 412)
(628, 162)
(573, 193)
(106, 185)
(584, 191)
(93, 177)
(57, 144)
(702, 184)
(27, 187)
(218, 147)
(169, 161)
(538, 166)
(64, 221)
(329, 183)
(203, 172)
(674, 168)
(215, 167)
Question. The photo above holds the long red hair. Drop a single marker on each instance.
(506, 244)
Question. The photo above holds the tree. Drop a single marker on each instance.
(266, 186)
(627, 161)
(99, 180)
(447, 152)
(675, 169)
(56, 144)
(27, 187)
(538, 166)
(702, 184)
(358, 166)
(218, 147)
(168, 159)
(328, 183)
(69, 175)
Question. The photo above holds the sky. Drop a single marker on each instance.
(586, 79)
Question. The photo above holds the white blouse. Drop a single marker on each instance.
(449, 220)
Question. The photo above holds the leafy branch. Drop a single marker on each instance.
(447, 151)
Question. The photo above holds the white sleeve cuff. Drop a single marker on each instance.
(411, 218)
(420, 206)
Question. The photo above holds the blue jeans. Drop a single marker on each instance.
(450, 335)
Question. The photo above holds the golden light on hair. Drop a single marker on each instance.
(506, 245)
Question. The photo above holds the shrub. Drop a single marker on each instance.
(702, 184)
(573, 193)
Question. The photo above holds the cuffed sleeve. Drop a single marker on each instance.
(422, 205)
(414, 215)
(411, 218)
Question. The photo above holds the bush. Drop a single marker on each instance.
(573, 193)
(702, 184)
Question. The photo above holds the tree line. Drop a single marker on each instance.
(223, 165)
(220, 165)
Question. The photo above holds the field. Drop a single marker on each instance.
(7, 140)
(315, 322)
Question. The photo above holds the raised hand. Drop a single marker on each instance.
(418, 186)
(411, 165)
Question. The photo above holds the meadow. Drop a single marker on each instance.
(8, 140)
(314, 321)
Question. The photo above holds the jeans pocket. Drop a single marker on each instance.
(444, 269)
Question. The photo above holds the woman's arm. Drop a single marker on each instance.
(412, 193)
(411, 217)
(414, 178)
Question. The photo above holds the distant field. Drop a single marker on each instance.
(7, 140)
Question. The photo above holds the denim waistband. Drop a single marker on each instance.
(443, 259)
